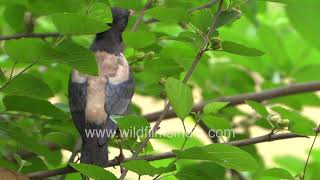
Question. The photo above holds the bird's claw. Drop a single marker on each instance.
(120, 159)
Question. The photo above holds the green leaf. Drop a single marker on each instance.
(143, 167)
(298, 101)
(60, 138)
(36, 106)
(298, 124)
(27, 85)
(139, 39)
(77, 57)
(183, 53)
(190, 37)
(129, 4)
(14, 2)
(307, 73)
(180, 97)
(30, 50)
(228, 17)
(290, 163)
(162, 67)
(40, 7)
(25, 139)
(225, 155)
(177, 141)
(303, 16)
(214, 107)
(14, 16)
(92, 171)
(278, 173)
(201, 19)
(68, 52)
(274, 47)
(259, 108)
(278, 1)
(99, 11)
(168, 14)
(216, 123)
(235, 48)
(201, 171)
(72, 23)
(134, 123)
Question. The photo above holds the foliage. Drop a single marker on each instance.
(257, 45)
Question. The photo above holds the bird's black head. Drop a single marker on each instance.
(111, 39)
(120, 18)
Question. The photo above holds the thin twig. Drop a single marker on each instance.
(309, 154)
(244, 142)
(21, 72)
(12, 69)
(205, 6)
(186, 78)
(190, 133)
(28, 35)
(140, 18)
(75, 151)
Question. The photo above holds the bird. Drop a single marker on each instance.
(94, 99)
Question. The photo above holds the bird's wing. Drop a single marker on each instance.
(77, 102)
(118, 96)
(119, 89)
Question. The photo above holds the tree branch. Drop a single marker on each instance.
(68, 169)
(140, 18)
(244, 142)
(240, 99)
(186, 78)
(28, 35)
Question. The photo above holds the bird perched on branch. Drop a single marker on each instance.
(93, 99)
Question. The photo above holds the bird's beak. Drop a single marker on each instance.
(132, 12)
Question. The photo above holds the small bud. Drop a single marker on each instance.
(274, 118)
(283, 123)
(140, 55)
(163, 94)
(162, 81)
(117, 141)
(137, 68)
(150, 54)
(215, 43)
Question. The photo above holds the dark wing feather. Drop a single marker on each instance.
(118, 96)
(117, 100)
(77, 104)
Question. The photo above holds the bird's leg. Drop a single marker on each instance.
(120, 157)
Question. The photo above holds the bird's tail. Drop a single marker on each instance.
(95, 145)
(94, 153)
